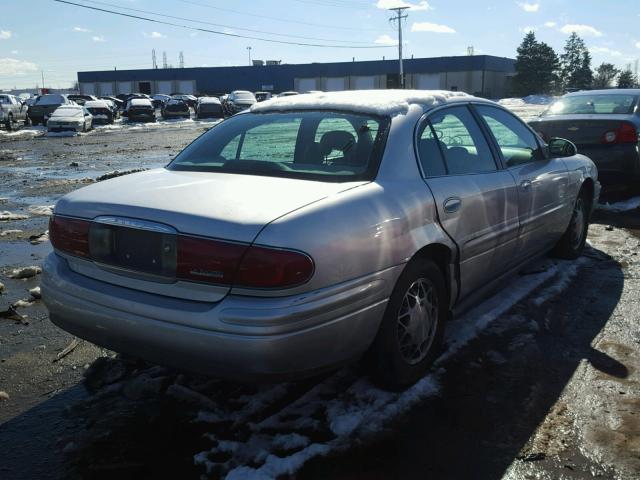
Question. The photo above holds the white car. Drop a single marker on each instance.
(70, 118)
(314, 229)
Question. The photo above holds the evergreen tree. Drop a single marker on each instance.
(575, 65)
(536, 65)
(627, 80)
(605, 75)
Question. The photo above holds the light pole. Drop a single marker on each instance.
(249, 50)
(399, 17)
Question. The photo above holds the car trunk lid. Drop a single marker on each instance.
(581, 129)
(136, 235)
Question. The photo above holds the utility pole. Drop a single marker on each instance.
(42, 73)
(398, 18)
(164, 59)
(249, 50)
(181, 61)
(153, 59)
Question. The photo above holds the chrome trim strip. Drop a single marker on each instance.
(136, 223)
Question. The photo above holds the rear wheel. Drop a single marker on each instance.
(412, 328)
(572, 242)
(10, 123)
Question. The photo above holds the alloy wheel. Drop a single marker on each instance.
(417, 321)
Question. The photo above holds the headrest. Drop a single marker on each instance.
(336, 140)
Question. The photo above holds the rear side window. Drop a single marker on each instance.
(516, 142)
(459, 139)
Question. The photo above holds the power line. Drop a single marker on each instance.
(276, 19)
(213, 24)
(216, 32)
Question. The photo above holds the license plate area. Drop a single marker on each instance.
(149, 251)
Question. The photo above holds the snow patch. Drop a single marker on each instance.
(345, 407)
(624, 206)
(377, 102)
(7, 216)
(41, 210)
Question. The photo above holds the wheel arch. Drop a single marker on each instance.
(443, 257)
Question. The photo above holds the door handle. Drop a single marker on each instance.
(525, 184)
(452, 204)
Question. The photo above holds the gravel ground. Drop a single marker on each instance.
(540, 381)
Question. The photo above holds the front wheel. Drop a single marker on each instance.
(574, 238)
(410, 335)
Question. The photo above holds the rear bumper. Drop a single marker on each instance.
(238, 338)
(64, 129)
(142, 117)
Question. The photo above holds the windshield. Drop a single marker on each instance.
(318, 145)
(50, 100)
(593, 104)
(4, 100)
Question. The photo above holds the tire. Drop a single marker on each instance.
(27, 121)
(571, 245)
(10, 124)
(395, 360)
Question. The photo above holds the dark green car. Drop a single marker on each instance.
(44, 107)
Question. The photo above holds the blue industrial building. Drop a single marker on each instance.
(483, 75)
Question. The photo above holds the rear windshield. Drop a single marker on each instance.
(50, 100)
(67, 112)
(244, 96)
(593, 104)
(314, 145)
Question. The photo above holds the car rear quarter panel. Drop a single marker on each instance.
(368, 228)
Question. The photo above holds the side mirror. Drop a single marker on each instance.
(559, 147)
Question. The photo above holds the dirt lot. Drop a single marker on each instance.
(540, 381)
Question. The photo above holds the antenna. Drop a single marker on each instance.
(399, 17)
(153, 59)
(181, 61)
(164, 59)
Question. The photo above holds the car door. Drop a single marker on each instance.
(544, 206)
(476, 200)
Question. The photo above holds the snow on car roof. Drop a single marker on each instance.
(139, 101)
(208, 100)
(377, 102)
(96, 104)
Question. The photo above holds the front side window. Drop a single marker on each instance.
(316, 145)
(516, 142)
(459, 138)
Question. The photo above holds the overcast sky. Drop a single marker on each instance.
(61, 39)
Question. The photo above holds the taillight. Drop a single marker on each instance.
(208, 261)
(70, 235)
(264, 267)
(626, 133)
(224, 263)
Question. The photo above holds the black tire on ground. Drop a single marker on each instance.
(10, 124)
(571, 245)
(27, 121)
(415, 315)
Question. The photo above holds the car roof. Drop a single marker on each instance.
(608, 91)
(377, 102)
(96, 104)
(139, 101)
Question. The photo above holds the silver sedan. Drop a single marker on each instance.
(313, 229)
